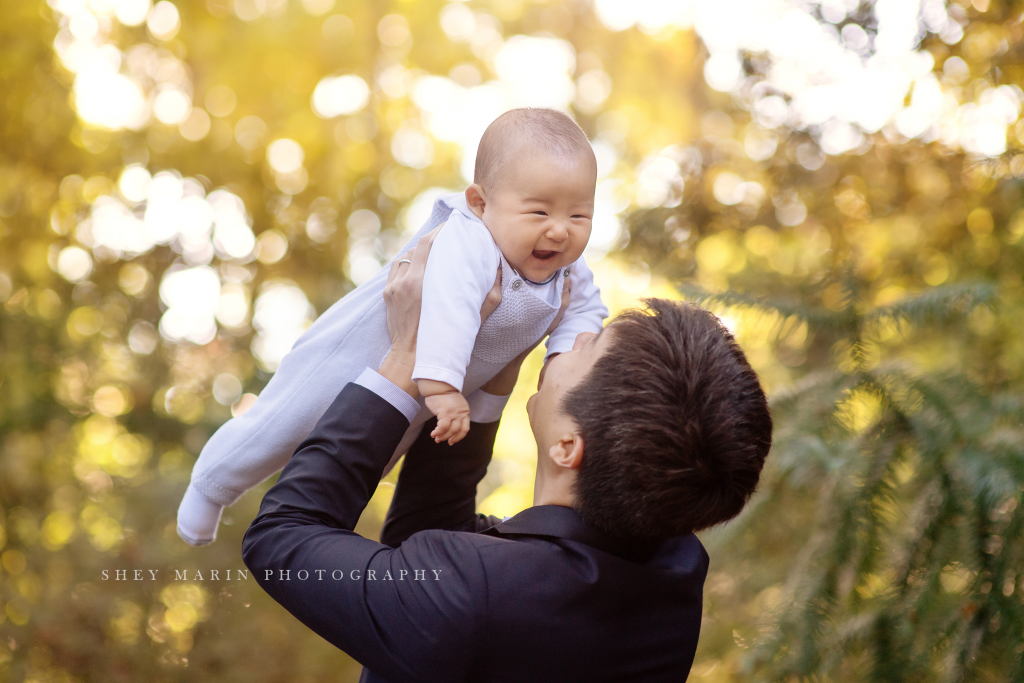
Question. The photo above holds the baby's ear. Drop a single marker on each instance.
(475, 198)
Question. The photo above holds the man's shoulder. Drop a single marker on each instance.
(475, 551)
(683, 557)
(448, 542)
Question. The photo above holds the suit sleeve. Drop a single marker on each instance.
(437, 485)
(460, 271)
(586, 311)
(409, 614)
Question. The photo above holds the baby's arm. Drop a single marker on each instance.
(459, 275)
(586, 311)
(451, 408)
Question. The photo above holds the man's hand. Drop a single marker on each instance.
(493, 297)
(403, 294)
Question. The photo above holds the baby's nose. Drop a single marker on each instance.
(557, 231)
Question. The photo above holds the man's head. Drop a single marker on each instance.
(534, 188)
(667, 419)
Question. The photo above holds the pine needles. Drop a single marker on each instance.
(910, 569)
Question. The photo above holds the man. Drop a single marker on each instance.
(646, 432)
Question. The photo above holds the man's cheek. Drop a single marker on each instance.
(544, 369)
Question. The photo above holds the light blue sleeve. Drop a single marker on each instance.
(390, 392)
(460, 270)
(586, 311)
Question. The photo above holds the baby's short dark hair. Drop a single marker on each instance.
(526, 128)
(675, 425)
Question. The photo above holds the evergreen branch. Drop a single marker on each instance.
(814, 316)
(940, 396)
(935, 305)
(823, 379)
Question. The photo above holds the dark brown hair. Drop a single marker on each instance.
(526, 128)
(674, 422)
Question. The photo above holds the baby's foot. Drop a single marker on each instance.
(198, 518)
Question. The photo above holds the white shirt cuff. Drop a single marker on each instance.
(390, 392)
(484, 407)
(437, 374)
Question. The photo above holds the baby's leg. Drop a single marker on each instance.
(198, 518)
(248, 449)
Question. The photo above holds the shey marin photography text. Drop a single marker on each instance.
(278, 575)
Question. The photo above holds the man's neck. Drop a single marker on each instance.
(555, 491)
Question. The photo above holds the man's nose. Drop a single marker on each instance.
(581, 340)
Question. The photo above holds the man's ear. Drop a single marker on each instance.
(475, 199)
(567, 451)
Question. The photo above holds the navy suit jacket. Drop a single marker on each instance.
(452, 595)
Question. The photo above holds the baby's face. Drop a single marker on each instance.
(541, 220)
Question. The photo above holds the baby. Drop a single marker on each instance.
(528, 214)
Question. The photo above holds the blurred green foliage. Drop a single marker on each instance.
(877, 292)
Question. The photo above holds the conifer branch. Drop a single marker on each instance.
(934, 305)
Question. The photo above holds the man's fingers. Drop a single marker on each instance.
(393, 273)
(493, 297)
(432, 235)
(419, 257)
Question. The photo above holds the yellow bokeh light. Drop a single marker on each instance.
(186, 606)
(181, 617)
(111, 401)
(714, 253)
(58, 527)
(13, 561)
(858, 410)
(99, 430)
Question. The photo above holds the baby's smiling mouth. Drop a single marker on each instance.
(543, 254)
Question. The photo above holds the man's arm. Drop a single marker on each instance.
(437, 484)
(388, 609)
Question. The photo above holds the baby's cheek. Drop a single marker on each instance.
(575, 250)
(512, 245)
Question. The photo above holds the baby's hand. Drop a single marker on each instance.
(452, 412)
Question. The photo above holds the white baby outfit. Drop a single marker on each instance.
(352, 335)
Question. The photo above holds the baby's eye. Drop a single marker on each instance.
(540, 213)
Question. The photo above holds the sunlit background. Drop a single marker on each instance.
(185, 186)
